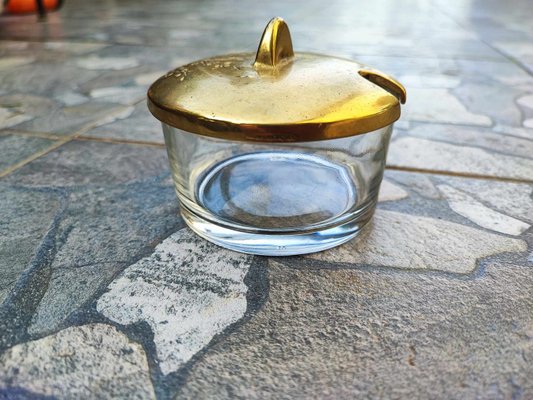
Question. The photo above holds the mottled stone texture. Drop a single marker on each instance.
(423, 244)
(93, 361)
(188, 291)
(378, 334)
(102, 231)
(16, 149)
(25, 216)
(105, 294)
(92, 163)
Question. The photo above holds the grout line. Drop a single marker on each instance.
(502, 53)
(42, 135)
(61, 142)
(510, 58)
(457, 174)
(33, 157)
(119, 141)
(504, 130)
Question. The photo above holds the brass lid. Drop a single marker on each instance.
(276, 95)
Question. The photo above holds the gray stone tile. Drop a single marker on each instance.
(88, 361)
(39, 114)
(92, 163)
(475, 137)
(440, 223)
(342, 333)
(507, 31)
(139, 126)
(411, 152)
(41, 72)
(199, 282)
(16, 148)
(471, 92)
(440, 105)
(104, 226)
(55, 87)
(25, 217)
(46, 51)
(188, 291)
(519, 50)
(483, 97)
(501, 152)
(512, 199)
(466, 205)
(424, 246)
(102, 231)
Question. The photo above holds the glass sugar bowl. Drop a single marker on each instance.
(275, 152)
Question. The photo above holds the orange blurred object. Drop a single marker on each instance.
(29, 6)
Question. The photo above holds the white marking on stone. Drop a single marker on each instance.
(149, 78)
(515, 131)
(390, 192)
(513, 199)
(183, 34)
(439, 105)
(528, 123)
(121, 95)
(10, 118)
(481, 215)
(177, 61)
(91, 361)
(526, 101)
(74, 48)
(428, 154)
(188, 291)
(71, 98)
(123, 114)
(418, 183)
(430, 81)
(12, 62)
(112, 63)
(406, 241)
(474, 137)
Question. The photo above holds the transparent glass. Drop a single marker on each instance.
(277, 199)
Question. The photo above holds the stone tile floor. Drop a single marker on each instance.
(105, 294)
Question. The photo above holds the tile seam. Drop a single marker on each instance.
(61, 142)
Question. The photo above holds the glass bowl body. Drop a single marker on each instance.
(277, 199)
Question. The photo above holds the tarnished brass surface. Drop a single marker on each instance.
(276, 95)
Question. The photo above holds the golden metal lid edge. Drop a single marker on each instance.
(305, 131)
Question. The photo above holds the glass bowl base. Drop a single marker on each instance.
(268, 244)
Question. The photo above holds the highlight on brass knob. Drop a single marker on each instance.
(275, 46)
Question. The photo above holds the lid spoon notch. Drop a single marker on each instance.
(275, 46)
(386, 82)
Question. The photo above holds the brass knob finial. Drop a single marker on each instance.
(275, 46)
